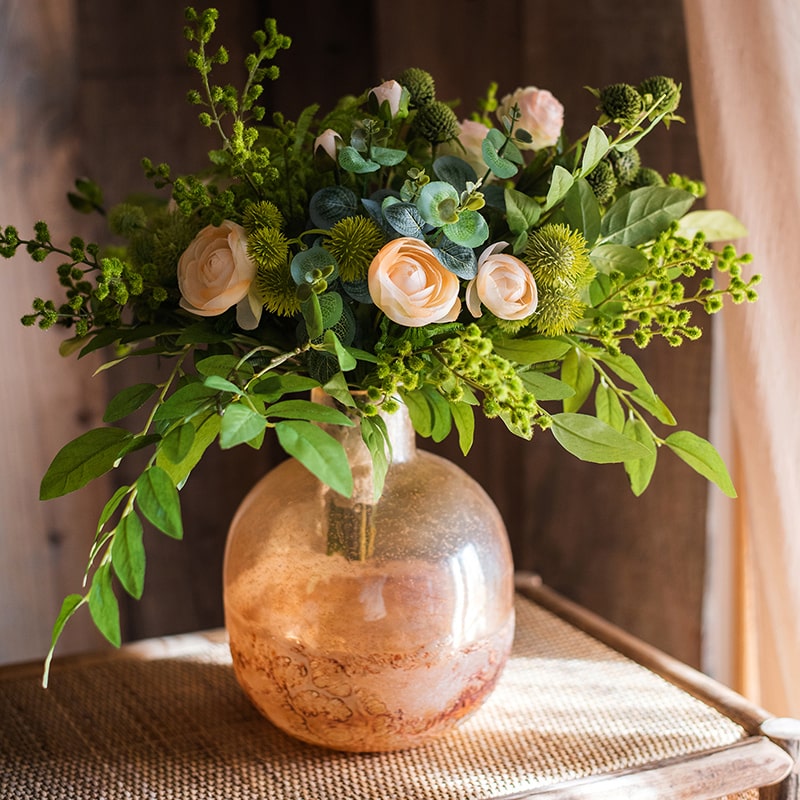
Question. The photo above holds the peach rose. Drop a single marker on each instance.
(392, 92)
(504, 285)
(542, 116)
(215, 271)
(471, 139)
(327, 141)
(409, 284)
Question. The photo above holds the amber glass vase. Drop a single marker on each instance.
(369, 626)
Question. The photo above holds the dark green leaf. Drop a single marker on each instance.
(702, 457)
(640, 470)
(178, 442)
(458, 259)
(642, 214)
(273, 387)
(589, 439)
(225, 366)
(111, 506)
(129, 400)
(405, 219)
(89, 456)
(186, 402)
(455, 171)
(158, 500)
(239, 424)
(318, 452)
(103, 605)
(127, 554)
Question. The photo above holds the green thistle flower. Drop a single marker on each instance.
(621, 103)
(603, 181)
(420, 86)
(126, 219)
(647, 176)
(354, 242)
(154, 252)
(626, 165)
(268, 247)
(277, 290)
(262, 215)
(559, 310)
(661, 86)
(558, 256)
(436, 123)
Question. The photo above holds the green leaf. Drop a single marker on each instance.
(531, 351)
(560, 183)
(500, 166)
(129, 400)
(471, 230)
(589, 439)
(627, 260)
(702, 457)
(717, 225)
(608, 408)
(186, 402)
(221, 384)
(224, 366)
(111, 506)
(331, 344)
(206, 430)
(332, 204)
(158, 500)
(455, 171)
(626, 368)
(420, 412)
(273, 387)
(308, 410)
(642, 214)
(337, 388)
(652, 403)
(89, 456)
(577, 371)
(597, 146)
(544, 387)
(405, 219)
(177, 444)
(239, 424)
(103, 605)
(582, 211)
(522, 212)
(464, 419)
(387, 156)
(442, 421)
(437, 203)
(352, 161)
(376, 438)
(640, 470)
(321, 454)
(128, 556)
(70, 604)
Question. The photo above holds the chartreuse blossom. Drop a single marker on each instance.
(385, 252)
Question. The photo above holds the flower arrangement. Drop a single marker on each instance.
(386, 252)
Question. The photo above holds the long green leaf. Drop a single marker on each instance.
(129, 400)
(158, 500)
(206, 429)
(608, 407)
(544, 387)
(375, 436)
(70, 604)
(531, 351)
(702, 457)
(128, 556)
(577, 371)
(640, 470)
(103, 605)
(321, 454)
(89, 456)
(642, 214)
(464, 419)
(308, 410)
(240, 424)
(589, 439)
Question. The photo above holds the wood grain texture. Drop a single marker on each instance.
(639, 562)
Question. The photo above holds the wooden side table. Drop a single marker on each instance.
(582, 711)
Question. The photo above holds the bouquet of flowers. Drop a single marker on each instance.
(386, 252)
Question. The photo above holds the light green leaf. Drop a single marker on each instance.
(577, 371)
(332, 345)
(596, 147)
(158, 500)
(500, 166)
(206, 430)
(308, 410)
(608, 407)
(273, 387)
(239, 424)
(544, 387)
(420, 412)
(177, 444)
(626, 368)
(471, 230)
(589, 439)
(321, 454)
(128, 556)
(90, 455)
(103, 605)
(581, 210)
(352, 161)
(702, 457)
(376, 438)
(627, 260)
(221, 384)
(186, 402)
(522, 212)
(437, 203)
(111, 506)
(652, 403)
(129, 400)
(440, 410)
(717, 225)
(464, 419)
(224, 366)
(70, 604)
(642, 214)
(640, 470)
(531, 351)
(560, 183)
(338, 389)
(387, 156)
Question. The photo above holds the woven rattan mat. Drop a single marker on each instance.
(179, 727)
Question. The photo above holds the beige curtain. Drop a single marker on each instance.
(745, 63)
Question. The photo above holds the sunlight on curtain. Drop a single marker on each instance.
(745, 64)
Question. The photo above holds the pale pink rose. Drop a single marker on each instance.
(471, 139)
(504, 285)
(392, 92)
(327, 141)
(215, 271)
(409, 284)
(542, 116)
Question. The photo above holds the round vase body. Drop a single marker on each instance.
(369, 626)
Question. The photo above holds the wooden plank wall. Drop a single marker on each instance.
(638, 562)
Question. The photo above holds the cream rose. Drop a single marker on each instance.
(542, 116)
(327, 141)
(504, 285)
(409, 284)
(215, 272)
(391, 92)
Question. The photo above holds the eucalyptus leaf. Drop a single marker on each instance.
(702, 457)
(307, 262)
(589, 439)
(458, 259)
(500, 167)
(240, 424)
(437, 203)
(332, 204)
(89, 456)
(640, 470)
(640, 215)
(128, 555)
(471, 229)
(387, 156)
(405, 219)
(352, 161)
(130, 399)
(103, 605)
(157, 499)
(321, 454)
(454, 171)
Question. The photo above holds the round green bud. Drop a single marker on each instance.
(436, 123)
(603, 182)
(647, 176)
(420, 86)
(626, 165)
(658, 87)
(621, 102)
